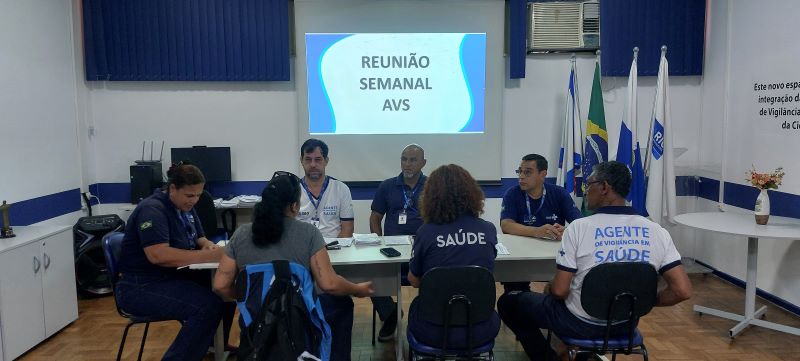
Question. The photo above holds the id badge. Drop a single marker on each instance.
(530, 221)
(315, 222)
(401, 219)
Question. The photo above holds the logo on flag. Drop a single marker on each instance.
(658, 139)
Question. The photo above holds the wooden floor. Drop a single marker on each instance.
(673, 333)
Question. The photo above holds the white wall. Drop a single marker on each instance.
(734, 137)
(37, 97)
(42, 92)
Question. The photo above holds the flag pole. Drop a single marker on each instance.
(597, 54)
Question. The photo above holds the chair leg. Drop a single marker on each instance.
(572, 353)
(644, 353)
(144, 337)
(122, 343)
(374, 311)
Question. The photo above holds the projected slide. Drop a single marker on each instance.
(412, 83)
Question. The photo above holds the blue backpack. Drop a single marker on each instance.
(281, 319)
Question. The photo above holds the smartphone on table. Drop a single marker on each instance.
(390, 252)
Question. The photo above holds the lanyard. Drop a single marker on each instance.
(407, 201)
(311, 196)
(528, 204)
(191, 232)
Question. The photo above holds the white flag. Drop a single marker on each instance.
(660, 201)
(628, 151)
(569, 162)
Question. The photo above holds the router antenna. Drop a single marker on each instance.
(161, 156)
(151, 150)
(143, 143)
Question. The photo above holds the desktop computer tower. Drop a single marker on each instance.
(145, 177)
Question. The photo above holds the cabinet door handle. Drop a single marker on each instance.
(36, 264)
(46, 261)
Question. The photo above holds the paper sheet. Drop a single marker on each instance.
(501, 249)
(396, 240)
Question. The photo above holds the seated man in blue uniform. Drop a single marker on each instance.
(534, 208)
(587, 243)
(397, 198)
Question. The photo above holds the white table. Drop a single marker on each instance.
(530, 259)
(744, 225)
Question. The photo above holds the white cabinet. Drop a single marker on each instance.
(37, 287)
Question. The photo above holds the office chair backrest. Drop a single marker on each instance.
(207, 214)
(624, 282)
(441, 284)
(112, 248)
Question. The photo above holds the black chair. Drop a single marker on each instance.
(614, 292)
(208, 217)
(112, 247)
(455, 296)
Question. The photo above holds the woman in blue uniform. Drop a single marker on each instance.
(162, 234)
(451, 203)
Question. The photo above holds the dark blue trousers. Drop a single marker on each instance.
(338, 311)
(178, 299)
(527, 312)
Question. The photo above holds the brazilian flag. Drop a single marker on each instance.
(595, 149)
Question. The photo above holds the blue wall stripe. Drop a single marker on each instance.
(782, 204)
(42, 208)
(27, 212)
(780, 302)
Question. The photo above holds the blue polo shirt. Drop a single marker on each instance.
(555, 206)
(156, 220)
(466, 241)
(390, 200)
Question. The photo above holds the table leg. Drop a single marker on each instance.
(219, 336)
(398, 345)
(751, 315)
(219, 344)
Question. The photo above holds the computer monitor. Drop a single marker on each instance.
(214, 162)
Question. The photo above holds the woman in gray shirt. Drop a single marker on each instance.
(275, 234)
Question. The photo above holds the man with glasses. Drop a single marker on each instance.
(397, 198)
(534, 208)
(614, 233)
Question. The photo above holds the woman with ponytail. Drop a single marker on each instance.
(275, 234)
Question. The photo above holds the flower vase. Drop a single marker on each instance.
(762, 207)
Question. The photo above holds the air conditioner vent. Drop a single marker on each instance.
(563, 26)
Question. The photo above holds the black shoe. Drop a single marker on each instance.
(389, 327)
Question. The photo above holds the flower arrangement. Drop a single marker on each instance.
(765, 180)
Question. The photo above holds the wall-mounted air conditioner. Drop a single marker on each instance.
(563, 26)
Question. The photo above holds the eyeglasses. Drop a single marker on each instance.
(523, 172)
(589, 184)
(281, 173)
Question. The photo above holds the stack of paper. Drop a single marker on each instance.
(248, 201)
(217, 202)
(396, 240)
(231, 203)
(344, 242)
(501, 249)
(366, 239)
